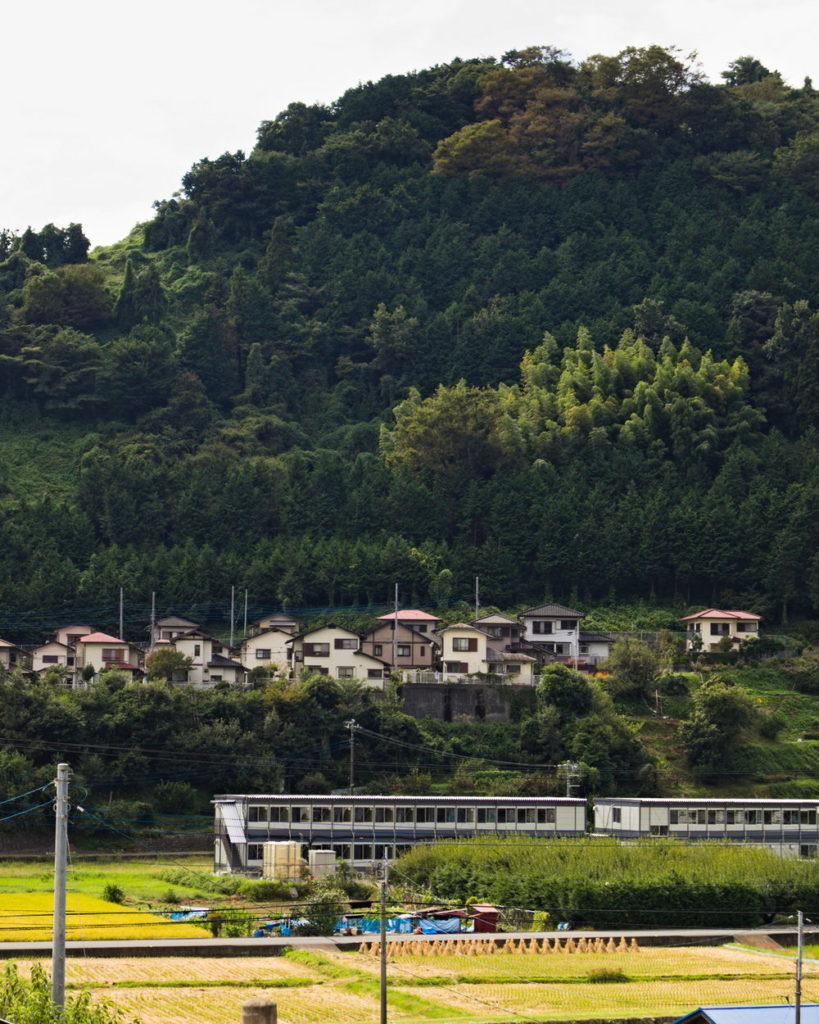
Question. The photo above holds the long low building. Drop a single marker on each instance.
(788, 825)
(366, 829)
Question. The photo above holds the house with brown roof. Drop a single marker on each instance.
(54, 655)
(553, 629)
(267, 648)
(11, 656)
(413, 618)
(469, 651)
(401, 646)
(707, 629)
(500, 627)
(276, 620)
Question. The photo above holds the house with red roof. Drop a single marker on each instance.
(102, 652)
(401, 645)
(706, 630)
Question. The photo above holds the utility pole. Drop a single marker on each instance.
(232, 606)
(800, 939)
(60, 859)
(244, 633)
(351, 725)
(383, 945)
(121, 616)
(477, 598)
(153, 618)
(572, 773)
(395, 630)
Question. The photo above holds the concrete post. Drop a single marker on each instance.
(259, 1011)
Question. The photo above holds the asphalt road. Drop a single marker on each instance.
(273, 945)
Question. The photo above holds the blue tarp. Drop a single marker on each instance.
(435, 926)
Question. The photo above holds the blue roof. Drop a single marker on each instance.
(782, 1013)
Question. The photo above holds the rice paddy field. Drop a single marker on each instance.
(27, 917)
(342, 988)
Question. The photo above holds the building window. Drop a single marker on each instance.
(257, 813)
(321, 814)
(423, 814)
(423, 652)
(197, 650)
(279, 813)
(255, 851)
(421, 627)
(375, 673)
(50, 659)
(345, 644)
(513, 670)
(466, 815)
(317, 650)
(383, 814)
(113, 654)
(464, 643)
(263, 654)
(342, 814)
(362, 852)
(541, 626)
(217, 648)
(363, 814)
(403, 650)
(345, 672)
(378, 650)
(445, 815)
(719, 629)
(617, 815)
(567, 624)
(486, 815)
(403, 815)
(545, 815)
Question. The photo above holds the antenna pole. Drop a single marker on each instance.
(232, 608)
(121, 615)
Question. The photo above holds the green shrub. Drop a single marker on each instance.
(230, 923)
(113, 893)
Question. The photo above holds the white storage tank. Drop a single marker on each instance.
(321, 863)
(282, 861)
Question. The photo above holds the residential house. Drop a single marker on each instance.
(413, 618)
(778, 1013)
(336, 652)
(210, 659)
(170, 628)
(102, 652)
(276, 620)
(515, 666)
(266, 649)
(713, 624)
(594, 647)
(401, 647)
(463, 651)
(53, 655)
(500, 627)
(11, 656)
(69, 635)
(553, 630)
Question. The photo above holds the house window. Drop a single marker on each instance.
(423, 652)
(317, 650)
(617, 815)
(541, 626)
(464, 643)
(197, 650)
(179, 675)
(378, 650)
(68, 661)
(216, 679)
(403, 650)
(584, 648)
(217, 648)
(375, 673)
(50, 659)
(719, 629)
(567, 624)
(113, 654)
(262, 654)
(345, 672)
(345, 644)
(746, 627)
(513, 670)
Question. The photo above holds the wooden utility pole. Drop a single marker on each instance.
(383, 945)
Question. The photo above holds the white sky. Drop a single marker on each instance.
(108, 103)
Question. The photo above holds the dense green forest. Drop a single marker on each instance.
(546, 322)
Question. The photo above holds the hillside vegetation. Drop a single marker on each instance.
(548, 323)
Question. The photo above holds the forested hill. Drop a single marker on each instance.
(548, 323)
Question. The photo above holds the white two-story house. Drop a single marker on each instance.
(711, 625)
(336, 652)
(554, 628)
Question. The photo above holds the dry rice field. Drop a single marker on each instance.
(342, 988)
